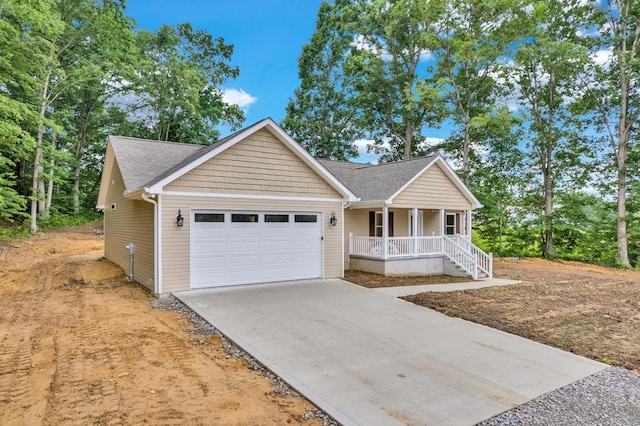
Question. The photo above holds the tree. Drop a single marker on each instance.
(100, 65)
(498, 182)
(322, 115)
(472, 46)
(30, 32)
(392, 42)
(546, 68)
(17, 115)
(364, 74)
(176, 95)
(613, 95)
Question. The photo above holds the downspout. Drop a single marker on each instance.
(345, 205)
(156, 283)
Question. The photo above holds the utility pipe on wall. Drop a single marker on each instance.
(131, 247)
(157, 285)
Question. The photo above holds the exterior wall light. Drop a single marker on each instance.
(179, 219)
(333, 220)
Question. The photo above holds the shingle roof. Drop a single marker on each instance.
(145, 162)
(376, 182)
(142, 160)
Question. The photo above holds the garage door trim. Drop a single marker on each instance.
(237, 246)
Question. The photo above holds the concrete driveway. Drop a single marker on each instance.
(368, 358)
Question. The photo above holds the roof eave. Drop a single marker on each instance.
(135, 194)
(368, 204)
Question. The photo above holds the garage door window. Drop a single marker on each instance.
(244, 217)
(276, 218)
(209, 217)
(306, 218)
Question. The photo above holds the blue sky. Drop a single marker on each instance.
(267, 35)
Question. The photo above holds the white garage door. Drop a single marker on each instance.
(231, 247)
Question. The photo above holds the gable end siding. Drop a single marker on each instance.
(432, 190)
(259, 164)
(131, 221)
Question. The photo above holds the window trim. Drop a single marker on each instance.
(298, 217)
(453, 226)
(278, 215)
(245, 217)
(218, 215)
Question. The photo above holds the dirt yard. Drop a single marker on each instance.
(80, 345)
(585, 309)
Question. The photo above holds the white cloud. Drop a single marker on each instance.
(238, 97)
(431, 141)
(603, 56)
(361, 42)
(362, 146)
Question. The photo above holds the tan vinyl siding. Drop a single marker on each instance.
(431, 224)
(400, 222)
(432, 190)
(175, 240)
(356, 222)
(131, 221)
(259, 164)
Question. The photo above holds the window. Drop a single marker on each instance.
(306, 218)
(209, 217)
(276, 218)
(375, 224)
(378, 225)
(244, 217)
(450, 225)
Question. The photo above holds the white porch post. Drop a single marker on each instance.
(442, 219)
(385, 232)
(468, 216)
(415, 231)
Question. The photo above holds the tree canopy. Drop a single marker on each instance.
(531, 92)
(72, 72)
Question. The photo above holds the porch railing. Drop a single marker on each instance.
(484, 260)
(460, 256)
(459, 249)
(396, 246)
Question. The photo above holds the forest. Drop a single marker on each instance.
(540, 96)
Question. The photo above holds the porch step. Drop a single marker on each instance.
(481, 274)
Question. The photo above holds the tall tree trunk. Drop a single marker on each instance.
(623, 253)
(465, 149)
(52, 165)
(76, 172)
(548, 210)
(408, 141)
(36, 193)
(621, 159)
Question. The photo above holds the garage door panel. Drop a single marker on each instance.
(244, 261)
(276, 246)
(250, 231)
(274, 259)
(209, 262)
(208, 249)
(244, 245)
(233, 253)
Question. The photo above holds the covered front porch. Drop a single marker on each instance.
(415, 242)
